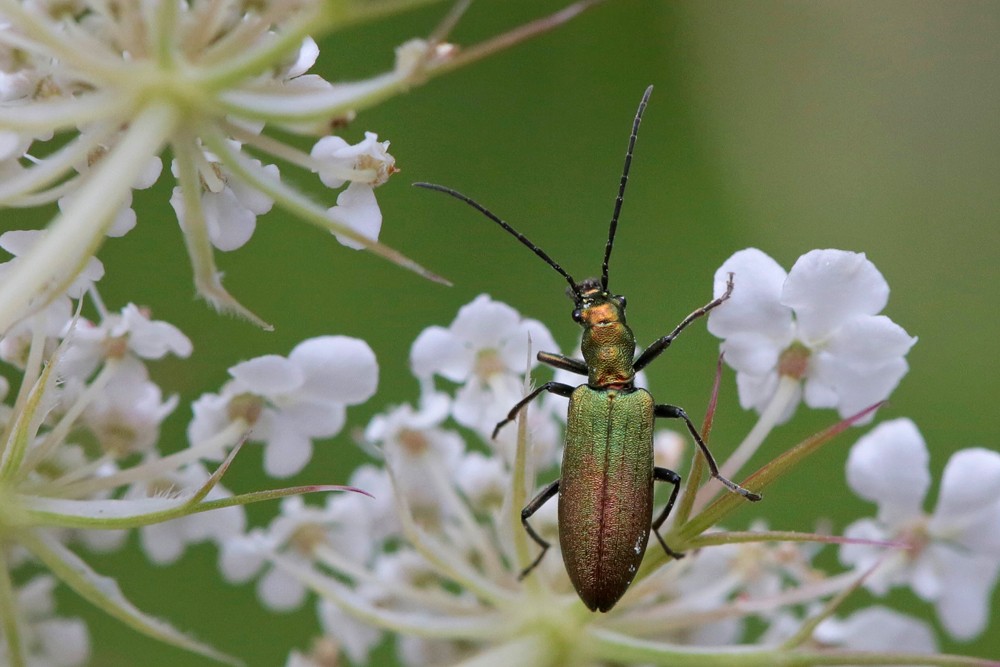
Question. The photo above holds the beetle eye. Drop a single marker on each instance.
(621, 301)
(577, 315)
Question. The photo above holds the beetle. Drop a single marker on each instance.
(606, 484)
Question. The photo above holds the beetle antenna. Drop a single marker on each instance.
(621, 187)
(513, 232)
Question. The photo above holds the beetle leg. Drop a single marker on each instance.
(666, 475)
(674, 412)
(536, 504)
(563, 363)
(657, 348)
(557, 388)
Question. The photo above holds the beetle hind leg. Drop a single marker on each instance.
(666, 475)
(536, 504)
(674, 412)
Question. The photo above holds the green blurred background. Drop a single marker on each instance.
(782, 125)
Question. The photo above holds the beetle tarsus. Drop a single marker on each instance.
(674, 412)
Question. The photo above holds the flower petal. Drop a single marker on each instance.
(826, 288)
(485, 323)
(964, 603)
(337, 369)
(438, 350)
(889, 467)
(269, 375)
(287, 451)
(754, 306)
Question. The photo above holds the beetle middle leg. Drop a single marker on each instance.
(666, 475)
(536, 504)
(657, 347)
(674, 412)
(557, 388)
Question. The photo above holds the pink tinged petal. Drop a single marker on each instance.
(964, 604)
(280, 591)
(287, 452)
(438, 350)
(230, 224)
(889, 467)
(357, 208)
(754, 306)
(826, 288)
(485, 323)
(515, 350)
(337, 369)
(969, 496)
(270, 375)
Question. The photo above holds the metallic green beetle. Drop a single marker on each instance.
(606, 487)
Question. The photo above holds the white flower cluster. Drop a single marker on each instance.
(89, 97)
(434, 558)
(81, 461)
(92, 94)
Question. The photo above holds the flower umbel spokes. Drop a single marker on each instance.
(435, 561)
(92, 96)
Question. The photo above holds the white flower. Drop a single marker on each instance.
(953, 557)
(165, 542)
(486, 349)
(296, 533)
(365, 165)
(50, 641)
(229, 206)
(819, 324)
(877, 629)
(290, 401)
(129, 334)
(126, 415)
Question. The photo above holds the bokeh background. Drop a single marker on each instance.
(782, 125)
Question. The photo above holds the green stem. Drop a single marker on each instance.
(9, 616)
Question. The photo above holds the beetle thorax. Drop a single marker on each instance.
(608, 344)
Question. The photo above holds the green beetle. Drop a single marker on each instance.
(606, 484)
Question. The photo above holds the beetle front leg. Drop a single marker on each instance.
(563, 362)
(557, 388)
(666, 475)
(657, 348)
(536, 504)
(674, 412)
